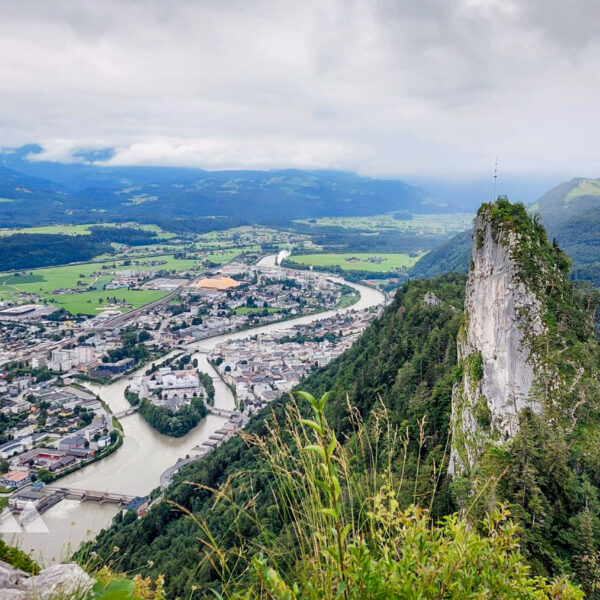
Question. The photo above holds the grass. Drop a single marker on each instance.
(348, 300)
(88, 302)
(586, 187)
(224, 256)
(349, 531)
(376, 262)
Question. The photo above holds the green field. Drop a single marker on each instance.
(224, 256)
(434, 224)
(88, 302)
(372, 261)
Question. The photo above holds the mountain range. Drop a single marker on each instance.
(35, 191)
(571, 214)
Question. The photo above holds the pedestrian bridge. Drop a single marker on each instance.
(127, 412)
(221, 412)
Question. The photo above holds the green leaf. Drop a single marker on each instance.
(117, 595)
(336, 485)
(322, 485)
(312, 424)
(324, 398)
(332, 445)
(345, 532)
(306, 396)
(121, 585)
(98, 588)
(314, 448)
(330, 512)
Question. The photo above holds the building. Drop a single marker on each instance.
(103, 441)
(115, 368)
(217, 283)
(73, 441)
(62, 463)
(11, 448)
(15, 479)
(37, 362)
(23, 497)
(85, 354)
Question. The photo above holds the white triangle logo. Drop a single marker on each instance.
(31, 520)
(8, 523)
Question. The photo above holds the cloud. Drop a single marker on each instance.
(390, 87)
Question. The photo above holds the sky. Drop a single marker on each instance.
(385, 88)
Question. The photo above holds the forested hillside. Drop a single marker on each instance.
(399, 380)
(32, 250)
(405, 361)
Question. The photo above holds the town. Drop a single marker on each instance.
(263, 367)
(51, 425)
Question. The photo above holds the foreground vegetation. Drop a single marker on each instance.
(350, 537)
(356, 541)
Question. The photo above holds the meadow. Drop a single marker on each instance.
(371, 261)
(91, 303)
(433, 224)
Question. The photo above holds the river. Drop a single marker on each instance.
(135, 468)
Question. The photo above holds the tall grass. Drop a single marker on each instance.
(354, 527)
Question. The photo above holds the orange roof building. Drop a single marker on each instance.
(217, 283)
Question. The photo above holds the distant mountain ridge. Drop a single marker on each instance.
(571, 214)
(83, 192)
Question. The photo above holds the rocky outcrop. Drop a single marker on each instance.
(59, 581)
(495, 347)
(431, 299)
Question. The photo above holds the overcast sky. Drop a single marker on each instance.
(406, 87)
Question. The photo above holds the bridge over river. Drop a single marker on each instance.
(126, 412)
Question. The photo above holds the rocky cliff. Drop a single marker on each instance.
(496, 344)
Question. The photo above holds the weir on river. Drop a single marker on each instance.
(136, 468)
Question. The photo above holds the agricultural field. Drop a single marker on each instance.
(224, 256)
(47, 283)
(434, 224)
(371, 261)
(91, 303)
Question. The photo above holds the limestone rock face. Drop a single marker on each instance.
(54, 582)
(502, 316)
